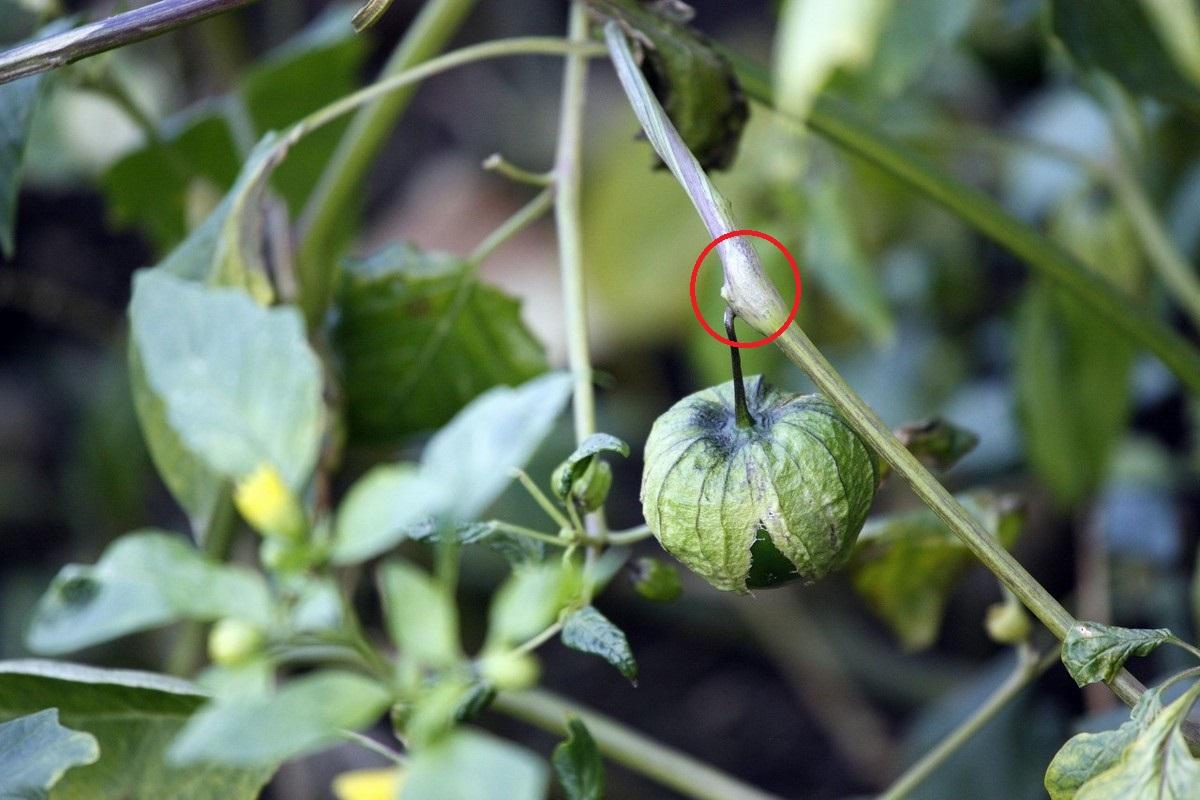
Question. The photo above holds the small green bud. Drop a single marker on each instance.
(234, 641)
(592, 490)
(1007, 622)
(509, 670)
(654, 580)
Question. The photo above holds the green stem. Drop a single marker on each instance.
(187, 653)
(502, 166)
(567, 216)
(835, 122)
(525, 216)
(337, 191)
(741, 411)
(631, 536)
(530, 533)
(629, 748)
(1029, 667)
(1178, 276)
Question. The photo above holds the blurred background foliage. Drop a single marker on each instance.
(1095, 442)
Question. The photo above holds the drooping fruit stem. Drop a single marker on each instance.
(741, 410)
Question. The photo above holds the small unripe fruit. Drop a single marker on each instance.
(1007, 623)
(509, 670)
(753, 505)
(233, 641)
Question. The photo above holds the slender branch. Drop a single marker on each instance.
(337, 190)
(665, 765)
(106, 34)
(631, 536)
(1029, 667)
(836, 123)
(216, 540)
(567, 216)
(522, 219)
(502, 166)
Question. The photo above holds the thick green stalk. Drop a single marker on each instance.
(337, 191)
(656, 761)
(567, 218)
(836, 123)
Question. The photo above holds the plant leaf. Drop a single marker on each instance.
(239, 382)
(1093, 652)
(144, 580)
(35, 751)
(1157, 765)
(155, 187)
(529, 601)
(381, 510)
(814, 39)
(589, 631)
(133, 716)
(471, 766)
(302, 717)
(838, 262)
(421, 617)
(1073, 398)
(419, 337)
(1084, 756)
(905, 565)
(573, 467)
(695, 83)
(515, 549)
(1117, 36)
(18, 99)
(578, 764)
(476, 453)
(325, 58)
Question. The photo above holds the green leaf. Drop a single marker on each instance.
(476, 453)
(475, 766)
(419, 337)
(905, 565)
(133, 716)
(589, 631)
(695, 83)
(937, 442)
(573, 467)
(144, 580)
(35, 751)
(578, 764)
(837, 261)
(814, 39)
(656, 581)
(421, 617)
(1157, 765)
(1093, 652)
(302, 717)
(529, 601)
(381, 509)
(1178, 25)
(18, 99)
(1117, 37)
(916, 33)
(516, 549)
(239, 382)
(325, 58)
(156, 187)
(1072, 387)
(1086, 755)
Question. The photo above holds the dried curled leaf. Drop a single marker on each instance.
(750, 507)
(694, 83)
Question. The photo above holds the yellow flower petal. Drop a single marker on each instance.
(368, 784)
(266, 502)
